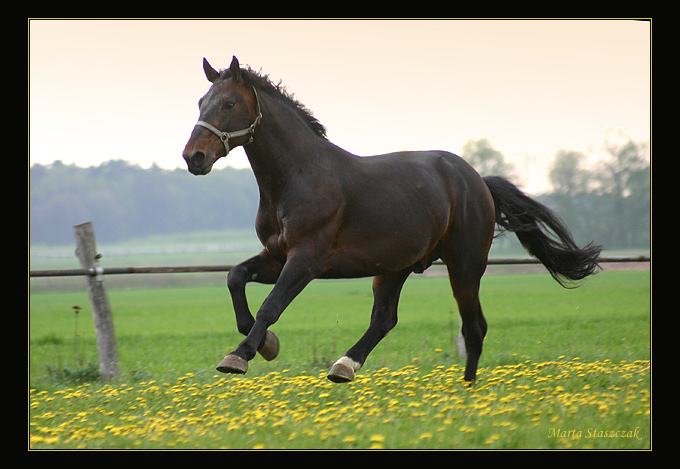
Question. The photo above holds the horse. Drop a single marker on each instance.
(327, 213)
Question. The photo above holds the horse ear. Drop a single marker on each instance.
(235, 69)
(210, 73)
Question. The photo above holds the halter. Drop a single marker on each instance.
(225, 136)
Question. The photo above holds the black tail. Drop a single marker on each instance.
(542, 233)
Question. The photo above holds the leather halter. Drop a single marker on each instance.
(225, 136)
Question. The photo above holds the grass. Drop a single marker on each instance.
(560, 368)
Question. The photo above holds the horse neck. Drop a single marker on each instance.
(281, 147)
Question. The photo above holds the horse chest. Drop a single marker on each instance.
(269, 229)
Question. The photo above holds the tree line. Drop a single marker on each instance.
(609, 203)
(126, 201)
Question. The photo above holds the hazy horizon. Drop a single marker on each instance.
(127, 89)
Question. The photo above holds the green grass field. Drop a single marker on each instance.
(560, 369)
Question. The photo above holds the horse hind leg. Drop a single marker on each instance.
(474, 325)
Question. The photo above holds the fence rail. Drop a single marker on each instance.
(86, 252)
(226, 268)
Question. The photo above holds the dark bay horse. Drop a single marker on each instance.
(326, 213)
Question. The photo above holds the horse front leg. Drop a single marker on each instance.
(262, 268)
(386, 291)
(298, 271)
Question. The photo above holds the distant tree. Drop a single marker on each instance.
(567, 176)
(610, 203)
(625, 179)
(627, 168)
(488, 161)
(570, 198)
(485, 159)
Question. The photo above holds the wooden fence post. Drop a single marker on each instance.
(86, 251)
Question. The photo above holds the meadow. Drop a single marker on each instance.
(561, 369)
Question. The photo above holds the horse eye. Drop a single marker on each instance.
(229, 104)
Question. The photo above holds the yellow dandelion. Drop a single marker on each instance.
(492, 439)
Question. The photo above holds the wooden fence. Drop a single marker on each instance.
(86, 252)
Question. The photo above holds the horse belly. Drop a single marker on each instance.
(355, 265)
(386, 240)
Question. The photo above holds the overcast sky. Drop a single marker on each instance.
(128, 89)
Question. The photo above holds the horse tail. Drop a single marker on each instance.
(542, 233)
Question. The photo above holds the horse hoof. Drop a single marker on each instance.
(341, 373)
(270, 348)
(344, 370)
(233, 364)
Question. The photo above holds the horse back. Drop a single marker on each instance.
(399, 209)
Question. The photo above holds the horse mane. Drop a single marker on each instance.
(264, 83)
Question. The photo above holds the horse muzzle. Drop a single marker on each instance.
(199, 161)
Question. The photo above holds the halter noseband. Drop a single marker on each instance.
(225, 136)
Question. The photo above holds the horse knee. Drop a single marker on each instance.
(236, 278)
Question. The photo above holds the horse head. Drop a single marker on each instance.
(228, 115)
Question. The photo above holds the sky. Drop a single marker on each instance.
(128, 89)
